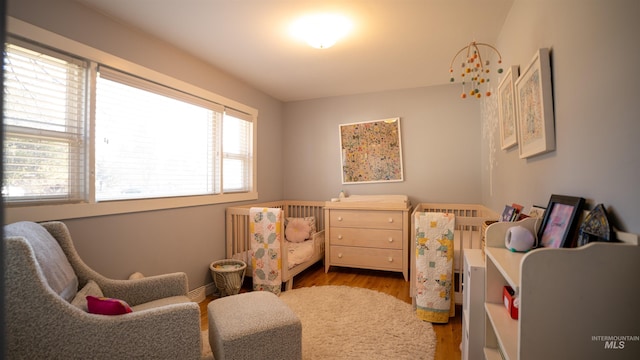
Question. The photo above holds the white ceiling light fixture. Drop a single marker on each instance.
(321, 31)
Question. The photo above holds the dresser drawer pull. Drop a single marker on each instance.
(390, 220)
(339, 236)
(339, 255)
(390, 259)
(390, 239)
(339, 218)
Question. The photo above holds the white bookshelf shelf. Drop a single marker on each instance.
(508, 264)
(506, 329)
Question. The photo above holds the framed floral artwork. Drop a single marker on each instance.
(534, 99)
(507, 108)
(371, 151)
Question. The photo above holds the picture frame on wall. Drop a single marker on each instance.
(371, 151)
(559, 225)
(507, 108)
(534, 104)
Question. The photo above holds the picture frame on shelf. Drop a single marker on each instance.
(536, 211)
(595, 227)
(559, 225)
(508, 213)
(507, 108)
(371, 151)
(534, 104)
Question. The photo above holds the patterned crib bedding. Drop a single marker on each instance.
(298, 253)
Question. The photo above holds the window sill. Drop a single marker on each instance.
(75, 211)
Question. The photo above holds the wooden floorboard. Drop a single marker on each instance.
(449, 335)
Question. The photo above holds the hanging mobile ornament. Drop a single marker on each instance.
(474, 69)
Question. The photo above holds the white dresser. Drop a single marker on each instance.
(367, 235)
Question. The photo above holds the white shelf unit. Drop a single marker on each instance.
(473, 304)
(568, 298)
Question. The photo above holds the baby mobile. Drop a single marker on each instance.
(475, 71)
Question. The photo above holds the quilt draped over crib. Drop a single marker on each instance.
(265, 228)
(435, 300)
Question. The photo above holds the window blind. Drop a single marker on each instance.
(152, 141)
(237, 151)
(44, 113)
(137, 138)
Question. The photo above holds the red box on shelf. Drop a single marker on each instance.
(508, 296)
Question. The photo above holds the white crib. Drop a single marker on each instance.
(468, 235)
(237, 239)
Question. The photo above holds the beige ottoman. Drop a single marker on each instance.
(254, 325)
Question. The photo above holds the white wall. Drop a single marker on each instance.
(594, 60)
(156, 242)
(593, 55)
(440, 144)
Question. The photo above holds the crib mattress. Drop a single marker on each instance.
(297, 254)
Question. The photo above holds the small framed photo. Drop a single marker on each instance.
(507, 108)
(534, 99)
(536, 211)
(560, 221)
(508, 213)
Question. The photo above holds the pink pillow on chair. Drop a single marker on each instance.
(107, 306)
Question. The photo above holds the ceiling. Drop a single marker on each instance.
(394, 44)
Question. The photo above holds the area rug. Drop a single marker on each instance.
(341, 322)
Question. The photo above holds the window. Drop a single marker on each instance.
(152, 141)
(44, 116)
(237, 151)
(137, 140)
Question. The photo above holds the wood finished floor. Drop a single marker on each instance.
(449, 335)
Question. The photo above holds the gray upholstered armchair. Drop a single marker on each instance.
(46, 284)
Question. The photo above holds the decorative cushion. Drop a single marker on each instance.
(297, 230)
(52, 260)
(90, 289)
(311, 220)
(107, 306)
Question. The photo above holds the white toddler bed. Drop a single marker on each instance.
(296, 256)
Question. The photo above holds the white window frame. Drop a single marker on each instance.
(92, 208)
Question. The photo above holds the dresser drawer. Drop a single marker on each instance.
(383, 259)
(375, 238)
(366, 219)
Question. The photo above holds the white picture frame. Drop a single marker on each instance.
(507, 108)
(534, 98)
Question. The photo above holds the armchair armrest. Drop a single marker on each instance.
(134, 292)
(168, 332)
(146, 289)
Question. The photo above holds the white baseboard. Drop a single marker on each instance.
(200, 293)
